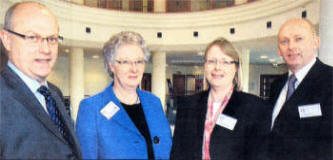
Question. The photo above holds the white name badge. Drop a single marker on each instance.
(109, 110)
(226, 121)
(310, 110)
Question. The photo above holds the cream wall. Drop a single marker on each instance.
(177, 28)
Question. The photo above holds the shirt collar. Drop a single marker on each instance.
(30, 82)
(302, 72)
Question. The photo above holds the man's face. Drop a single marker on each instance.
(297, 44)
(35, 59)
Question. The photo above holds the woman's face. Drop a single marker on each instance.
(220, 68)
(128, 67)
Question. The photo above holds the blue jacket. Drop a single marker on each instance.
(118, 137)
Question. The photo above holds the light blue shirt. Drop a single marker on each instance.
(32, 84)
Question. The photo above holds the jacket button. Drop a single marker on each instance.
(156, 140)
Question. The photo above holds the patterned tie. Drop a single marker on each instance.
(291, 85)
(53, 111)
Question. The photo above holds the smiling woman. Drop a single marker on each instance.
(124, 122)
(222, 118)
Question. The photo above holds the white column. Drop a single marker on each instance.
(76, 88)
(125, 5)
(78, 1)
(144, 5)
(160, 6)
(237, 2)
(245, 60)
(159, 76)
(326, 32)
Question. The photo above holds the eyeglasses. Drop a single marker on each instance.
(223, 62)
(128, 63)
(37, 38)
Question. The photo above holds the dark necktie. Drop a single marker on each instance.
(291, 86)
(53, 111)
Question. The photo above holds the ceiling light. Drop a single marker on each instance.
(67, 50)
(272, 60)
(263, 57)
(95, 56)
(201, 53)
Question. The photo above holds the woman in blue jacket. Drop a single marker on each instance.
(124, 122)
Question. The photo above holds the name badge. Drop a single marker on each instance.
(226, 121)
(109, 110)
(310, 110)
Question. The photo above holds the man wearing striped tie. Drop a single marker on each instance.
(33, 121)
(301, 127)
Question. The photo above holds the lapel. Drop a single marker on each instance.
(306, 86)
(201, 110)
(301, 95)
(121, 117)
(232, 108)
(277, 87)
(66, 119)
(149, 112)
(24, 96)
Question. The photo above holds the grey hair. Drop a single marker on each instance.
(11, 10)
(116, 41)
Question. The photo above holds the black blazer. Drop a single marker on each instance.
(26, 130)
(244, 142)
(307, 138)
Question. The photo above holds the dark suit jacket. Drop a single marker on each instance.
(26, 130)
(244, 142)
(307, 138)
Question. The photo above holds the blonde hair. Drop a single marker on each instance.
(231, 51)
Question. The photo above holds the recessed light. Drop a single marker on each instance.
(95, 56)
(272, 60)
(201, 53)
(263, 57)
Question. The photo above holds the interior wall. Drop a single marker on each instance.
(96, 78)
(258, 69)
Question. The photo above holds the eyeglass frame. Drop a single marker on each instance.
(38, 37)
(130, 63)
(223, 62)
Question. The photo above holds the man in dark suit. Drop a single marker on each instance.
(33, 120)
(302, 98)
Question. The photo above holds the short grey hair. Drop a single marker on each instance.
(116, 41)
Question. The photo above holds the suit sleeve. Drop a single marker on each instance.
(86, 129)
(176, 151)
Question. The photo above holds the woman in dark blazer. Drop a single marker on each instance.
(221, 123)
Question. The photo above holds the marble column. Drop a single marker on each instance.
(78, 1)
(326, 32)
(237, 2)
(160, 6)
(159, 76)
(245, 61)
(125, 5)
(76, 88)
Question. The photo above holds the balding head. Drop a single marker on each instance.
(298, 43)
(301, 22)
(29, 29)
(21, 9)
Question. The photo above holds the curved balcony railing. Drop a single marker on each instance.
(171, 5)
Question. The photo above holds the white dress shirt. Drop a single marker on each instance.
(282, 97)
